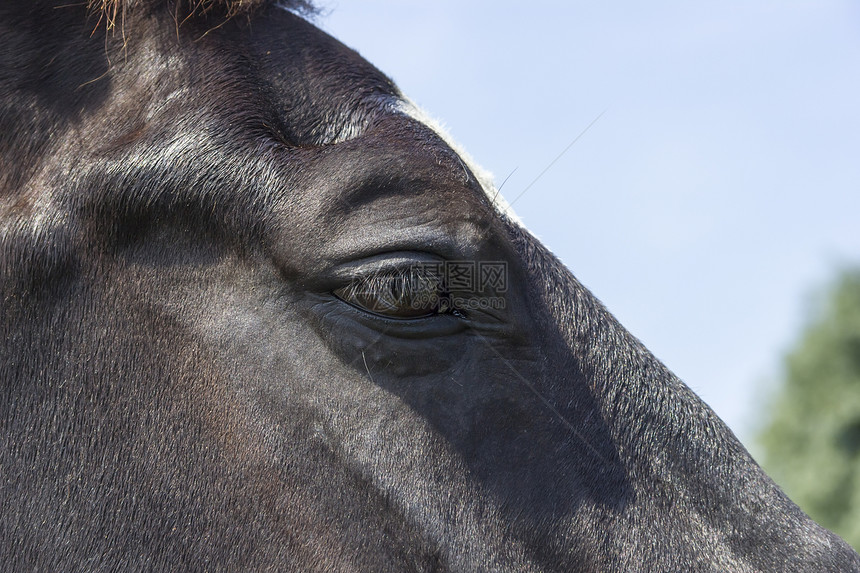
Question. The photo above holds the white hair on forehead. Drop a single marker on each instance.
(484, 177)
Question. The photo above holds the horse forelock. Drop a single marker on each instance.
(112, 11)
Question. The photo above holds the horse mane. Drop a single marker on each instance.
(112, 11)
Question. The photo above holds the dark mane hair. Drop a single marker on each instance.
(112, 11)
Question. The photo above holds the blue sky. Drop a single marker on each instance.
(719, 189)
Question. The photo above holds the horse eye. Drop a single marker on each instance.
(406, 295)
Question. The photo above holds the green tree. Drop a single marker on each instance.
(811, 439)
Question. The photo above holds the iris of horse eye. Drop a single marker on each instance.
(397, 295)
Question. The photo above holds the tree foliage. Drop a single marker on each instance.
(811, 440)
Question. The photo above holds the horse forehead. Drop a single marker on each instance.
(326, 92)
(483, 176)
(350, 94)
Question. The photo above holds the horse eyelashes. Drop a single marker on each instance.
(411, 293)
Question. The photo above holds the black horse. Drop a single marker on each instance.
(258, 315)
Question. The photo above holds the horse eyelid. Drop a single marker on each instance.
(396, 293)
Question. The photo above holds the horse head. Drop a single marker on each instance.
(259, 313)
